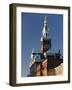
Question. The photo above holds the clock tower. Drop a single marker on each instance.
(45, 40)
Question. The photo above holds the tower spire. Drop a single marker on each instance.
(45, 29)
(45, 20)
(45, 40)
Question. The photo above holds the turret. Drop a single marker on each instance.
(32, 58)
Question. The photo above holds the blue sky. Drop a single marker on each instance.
(32, 25)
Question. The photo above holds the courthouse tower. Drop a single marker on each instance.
(44, 63)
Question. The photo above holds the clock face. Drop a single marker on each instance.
(46, 45)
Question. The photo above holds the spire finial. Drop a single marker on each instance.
(45, 28)
(45, 20)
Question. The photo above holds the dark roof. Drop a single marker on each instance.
(52, 63)
(53, 59)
